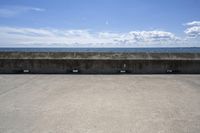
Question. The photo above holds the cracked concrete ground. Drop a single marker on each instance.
(99, 103)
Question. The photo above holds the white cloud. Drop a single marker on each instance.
(193, 29)
(194, 23)
(10, 11)
(149, 36)
(10, 36)
(31, 36)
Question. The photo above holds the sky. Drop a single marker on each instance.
(100, 23)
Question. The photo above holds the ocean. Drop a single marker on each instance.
(119, 50)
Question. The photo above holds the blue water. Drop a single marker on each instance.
(124, 50)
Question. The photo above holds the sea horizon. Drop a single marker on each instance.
(103, 49)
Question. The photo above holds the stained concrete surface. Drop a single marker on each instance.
(99, 103)
(99, 62)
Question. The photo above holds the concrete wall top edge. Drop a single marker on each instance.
(99, 56)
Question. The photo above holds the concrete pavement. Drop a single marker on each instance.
(99, 103)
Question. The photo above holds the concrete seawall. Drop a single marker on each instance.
(99, 63)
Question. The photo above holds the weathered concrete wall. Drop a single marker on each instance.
(100, 66)
(99, 63)
(99, 56)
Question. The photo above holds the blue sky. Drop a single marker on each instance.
(129, 23)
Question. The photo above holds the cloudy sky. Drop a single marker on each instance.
(100, 23)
